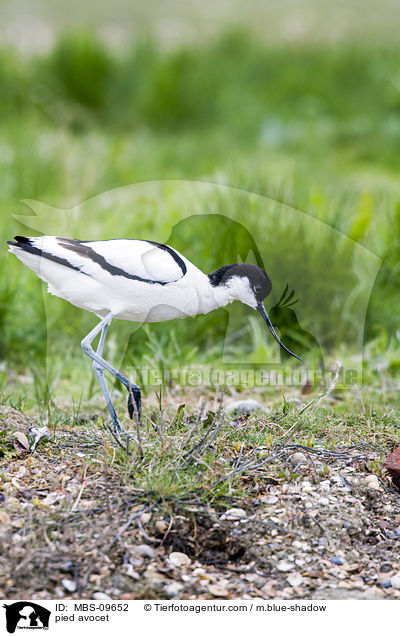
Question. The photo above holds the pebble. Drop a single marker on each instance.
(337, 560)
(395, 581)
(345, 585)
(307, 486)
(218, 590)
(136, 560)
(152, 575)
(145, 517)
(101, 596)
(129, 571)
(173, 589)
(161, 526)
(298, 458)
(4, 518)
(199, 572)
(325, 485)
(273, 499)
(284, 566)
(244, 407)
(233, 514)
(144, 550)
(178, 559)
(386, 583)
(255, 578)
(69, 585)
(295, 579)
(268, 590)
(323, 501)
(300, 562)
(372, 482)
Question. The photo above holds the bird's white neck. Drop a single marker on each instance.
(212, 297)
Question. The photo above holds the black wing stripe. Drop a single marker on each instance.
(25, 246)
(87, 252)
(172, 253)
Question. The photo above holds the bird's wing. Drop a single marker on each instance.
(131, 259)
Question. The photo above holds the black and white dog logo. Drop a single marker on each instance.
(26, 615)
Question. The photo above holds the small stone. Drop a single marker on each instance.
(4, 518)
(272, 499)
(178, 559)
(101, 596)
(244, 407)
(284, 566)
(386, 583)
(153, 575)
(145, 517)
(268, 590)
(337, 560)
(323, 501)
(254, 578)
(345, 585)
(69, 585)
(372, 482)
(144, 550)
(395, 581)
(161, 526)
(173, 589)
(218, 590)
(136, 560)
(199, 572)
(295, 579)
(66, 566)
(325, 486)
(307, 486)
(298, 458)
(233, 514)
(129, 571)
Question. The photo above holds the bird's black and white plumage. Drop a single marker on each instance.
(136, 280)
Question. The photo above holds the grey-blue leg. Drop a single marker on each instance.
(99, 371)
(99, 365)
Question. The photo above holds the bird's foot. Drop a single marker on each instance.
(134, 402)
(120, 435)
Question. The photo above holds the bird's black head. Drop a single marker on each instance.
(249, 284)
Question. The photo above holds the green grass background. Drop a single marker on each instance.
(311, 122)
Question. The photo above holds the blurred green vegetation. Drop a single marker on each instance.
(348, 96)
(315, 127)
